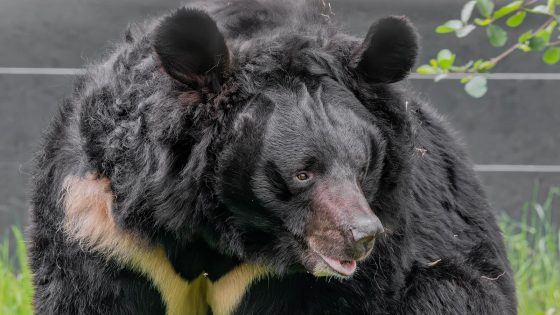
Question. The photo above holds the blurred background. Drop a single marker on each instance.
(516, 122)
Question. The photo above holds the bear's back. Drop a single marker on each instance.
(246, 19)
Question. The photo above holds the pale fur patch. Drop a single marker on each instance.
(88, 220)
(226, 293)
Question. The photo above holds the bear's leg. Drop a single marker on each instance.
(69, 280)
(82, 264)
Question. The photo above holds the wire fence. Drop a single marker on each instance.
(414, 76)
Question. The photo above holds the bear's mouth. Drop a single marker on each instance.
(344, 268)
(323, 265)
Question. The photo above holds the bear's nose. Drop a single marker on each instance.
(364, 231)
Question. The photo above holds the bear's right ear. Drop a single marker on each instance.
(191, 48)
(389, 50)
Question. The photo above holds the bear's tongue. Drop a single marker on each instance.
(344, 267)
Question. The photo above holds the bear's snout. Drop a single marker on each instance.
(342, 228)
(364, 232)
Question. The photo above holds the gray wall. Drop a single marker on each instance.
(516, 123)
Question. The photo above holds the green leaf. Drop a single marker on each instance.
(444, 55)
(449, 26)
(552, 55)
(496, 35)
(482, 22)
(465, 31)
(505, 10)
(485, 7)
(442, 29)
(468, 64)
(467, 10)
(544, 35)
(477, 63)
(537, 43)
(551, 26)
(486, 66)
(426, 69)
(463, 68)
(477, 87)
(466, 80)
(525, 36)
(525, 48)
(516, 19)
(445, 59)
(551, 6)
(547, 32)
(483, 65)
(540, 9)
(434, 63)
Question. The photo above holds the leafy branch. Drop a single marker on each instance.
(543, 40)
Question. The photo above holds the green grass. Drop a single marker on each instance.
(533, 245)
(16, 290)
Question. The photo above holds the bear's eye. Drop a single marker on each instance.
(303, 176)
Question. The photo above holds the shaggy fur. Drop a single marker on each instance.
(186, 139)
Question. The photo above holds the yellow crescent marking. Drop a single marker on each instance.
(89, 221)
(225, 294)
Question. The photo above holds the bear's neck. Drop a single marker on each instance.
(197, 258)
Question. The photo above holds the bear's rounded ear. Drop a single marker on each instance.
(388, 52)
(191, 48)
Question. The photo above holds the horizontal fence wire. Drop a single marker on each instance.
(42, 71)
(491, 76)
(414, 76)
(517, 168)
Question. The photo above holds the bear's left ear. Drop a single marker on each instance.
(191, 48)
(388, 52)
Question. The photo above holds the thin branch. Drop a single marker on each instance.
(530, 3)
(513, 48)
(506, 53)
(524, 7)
(550, 20)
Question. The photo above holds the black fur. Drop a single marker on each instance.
(389, 50)
(206, 168)
(190, 45)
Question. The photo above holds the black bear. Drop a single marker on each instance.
(247, 157)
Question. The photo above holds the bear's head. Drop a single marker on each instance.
(305, 157)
